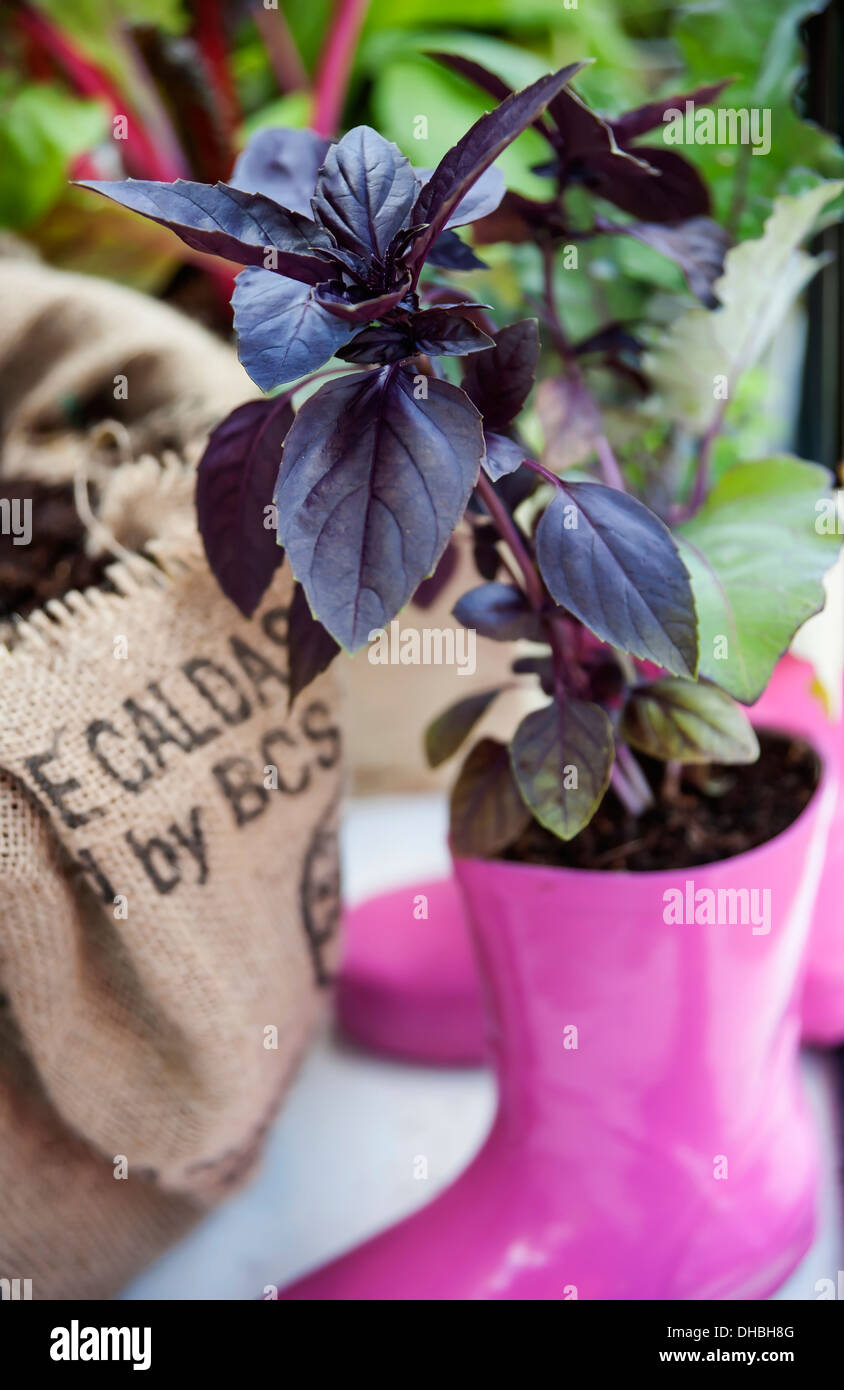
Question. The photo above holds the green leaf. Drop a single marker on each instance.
(41, 130)
(487, 812)
(765, 56)
(562, 757)
(691, 721)
(761, 280)
(446, 733)
(757, 554)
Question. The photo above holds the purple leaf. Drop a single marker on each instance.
(487, 811)
(283, 165)
(449, 252)
(540, 666)
(499, 381)
(450, 729)
(654, 184)
(485, 551)
(463, 165)
(612, 563)
(431, 588)
(282, 329)
(651, 183)
(380, 342)
(243, 227)
(613, 337)
(364, 192)
(311, 648)
(503, 455)
(440, 333)
(487, 81)
(357, 267)
(670, 190)
(499, 611)
(481, 200)
(644, 118)
(517, 220)
(474, 72)
(581, 133)
(698, 246)
(562, 757)
(374, 480)
(234, 489)
(360, 310)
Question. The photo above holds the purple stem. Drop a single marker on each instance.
(629, 799)
(509, 532)
(634, 777)
(704, 457)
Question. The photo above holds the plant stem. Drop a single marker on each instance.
(209, 30)
(670, 789)
(147, 101)
(634, 777)
(629, 798)
(704, 456)
(285, 60)
(335, 65)
(609, 463)
(546, 473)
(509, 532)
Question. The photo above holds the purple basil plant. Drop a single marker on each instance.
(341, 244)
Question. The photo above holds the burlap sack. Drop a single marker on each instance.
(168, 862)
(75, 350)
(167, 914)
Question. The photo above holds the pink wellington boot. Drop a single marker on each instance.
(788, 703)
(409, 986)
(651, 1140)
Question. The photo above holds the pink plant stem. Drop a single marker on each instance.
(209, 30)
(148, 103)
(281, 49)
(143, 156)
(335, 65)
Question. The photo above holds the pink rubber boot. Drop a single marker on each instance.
(409, 986)
(651, 1140)
(788, 703)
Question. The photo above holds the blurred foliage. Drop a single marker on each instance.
(41, 129)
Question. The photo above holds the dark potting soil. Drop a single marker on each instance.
(54, 561)
(719, 811)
